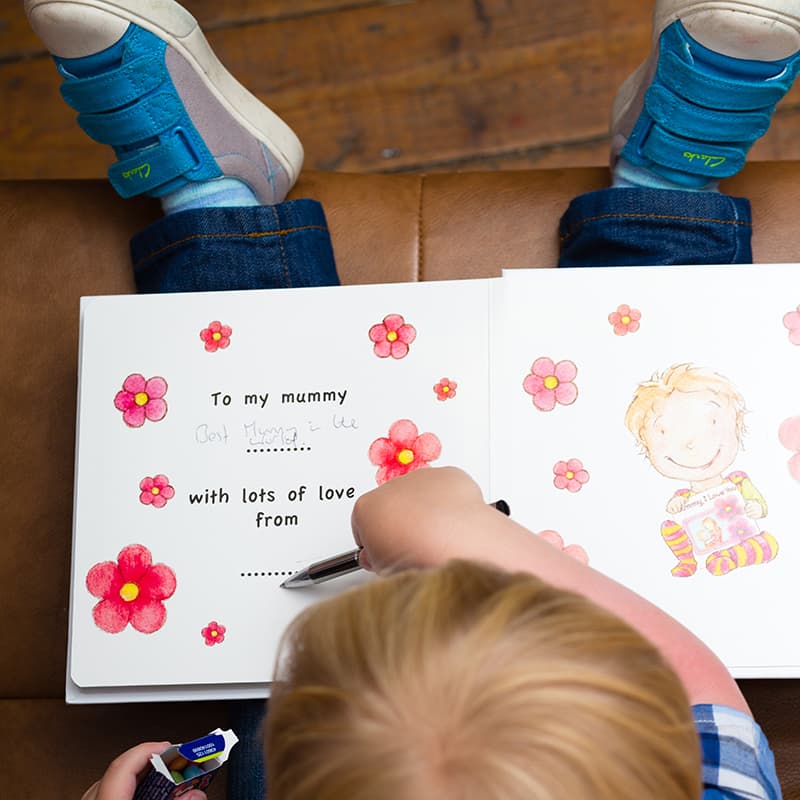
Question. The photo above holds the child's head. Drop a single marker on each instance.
(466, 682)
(689, 421)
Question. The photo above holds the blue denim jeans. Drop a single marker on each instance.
(288, 245)
(630, 227)
(218, 249)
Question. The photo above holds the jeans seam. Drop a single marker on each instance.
(286, 279)
(251, 235)
(662, 217)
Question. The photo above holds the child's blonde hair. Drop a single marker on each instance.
(466, 682)
(679, 378)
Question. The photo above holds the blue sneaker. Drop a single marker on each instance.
(144, 80)
(689, 115)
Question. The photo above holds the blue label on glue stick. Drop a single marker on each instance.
(203, 749)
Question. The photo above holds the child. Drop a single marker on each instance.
(144, 80)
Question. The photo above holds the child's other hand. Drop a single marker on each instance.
(676, 504)
(413, 520)
(119, 780)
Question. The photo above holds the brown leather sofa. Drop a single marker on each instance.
(61, 240)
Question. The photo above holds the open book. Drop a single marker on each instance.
(649, 419)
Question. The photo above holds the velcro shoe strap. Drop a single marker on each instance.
(705, 124)
(153, 167)
(677, 153)
(710, 91)
(116, 88)
(145, 119)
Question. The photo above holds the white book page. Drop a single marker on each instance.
(264, 445)
(566, 461)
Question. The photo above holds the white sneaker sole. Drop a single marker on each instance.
(172, 23)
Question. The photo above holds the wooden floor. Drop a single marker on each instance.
(391, 85)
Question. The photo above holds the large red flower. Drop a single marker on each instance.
(131, 590)
(403, 451)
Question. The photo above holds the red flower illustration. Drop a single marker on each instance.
(405, 450)
(550, 383)
(392, 337)
(445, 389)
(216, 336)
(570, 475)
(574, 550)
(213, 633)
(141, 399)
(155, 491)
(625, 320)
(131, 590)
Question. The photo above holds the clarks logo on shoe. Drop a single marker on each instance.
(709, 161)
(141, 172)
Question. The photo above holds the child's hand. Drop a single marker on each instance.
(412, 520)
(753, 509)
(119, 780)
(676, 504)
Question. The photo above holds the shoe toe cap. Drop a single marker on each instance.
(74, 30)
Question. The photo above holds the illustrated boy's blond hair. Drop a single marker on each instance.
(679, 378)
(466, 683)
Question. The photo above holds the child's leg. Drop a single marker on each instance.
(684, 120)
(144, 80)
(678, 541)
(757, 549)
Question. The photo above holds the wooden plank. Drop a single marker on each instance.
(434, 84)
(17, 40)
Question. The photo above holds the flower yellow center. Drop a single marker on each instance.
(391, 336)
(155, 490)
(570, 475)
(626, 320)
(214, 633)
(445, 389)
(405, 456)
(550, 382)
(216, 336)
(129, 592)
(140, 398)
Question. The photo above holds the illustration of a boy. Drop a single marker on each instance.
(690, 422)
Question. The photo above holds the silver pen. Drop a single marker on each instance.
(344, 563)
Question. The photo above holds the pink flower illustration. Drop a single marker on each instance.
(216, 336)
(570, 475)
(392, 337)
(132, 590)
(625, 320)
(551, 383)
(789, 436)
(141, 399)
(791, 322)
(155, 491)
(574, 550)
(741, 527)
(404, 451)
(728, 508)
(445, 389)
(213, 633)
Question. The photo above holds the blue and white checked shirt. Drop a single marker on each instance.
(737, 761)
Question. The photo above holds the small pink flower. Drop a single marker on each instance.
(573, 550)
(141, 400)
(392, 337)
(213, 633)
(132, 590)
(155, 491)
(570, 475)
(551, 383)
(791, 322)
(625, 320)
(445, 389)
(404, 451)
(741, 527)
(728, 508)
(216, 336)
